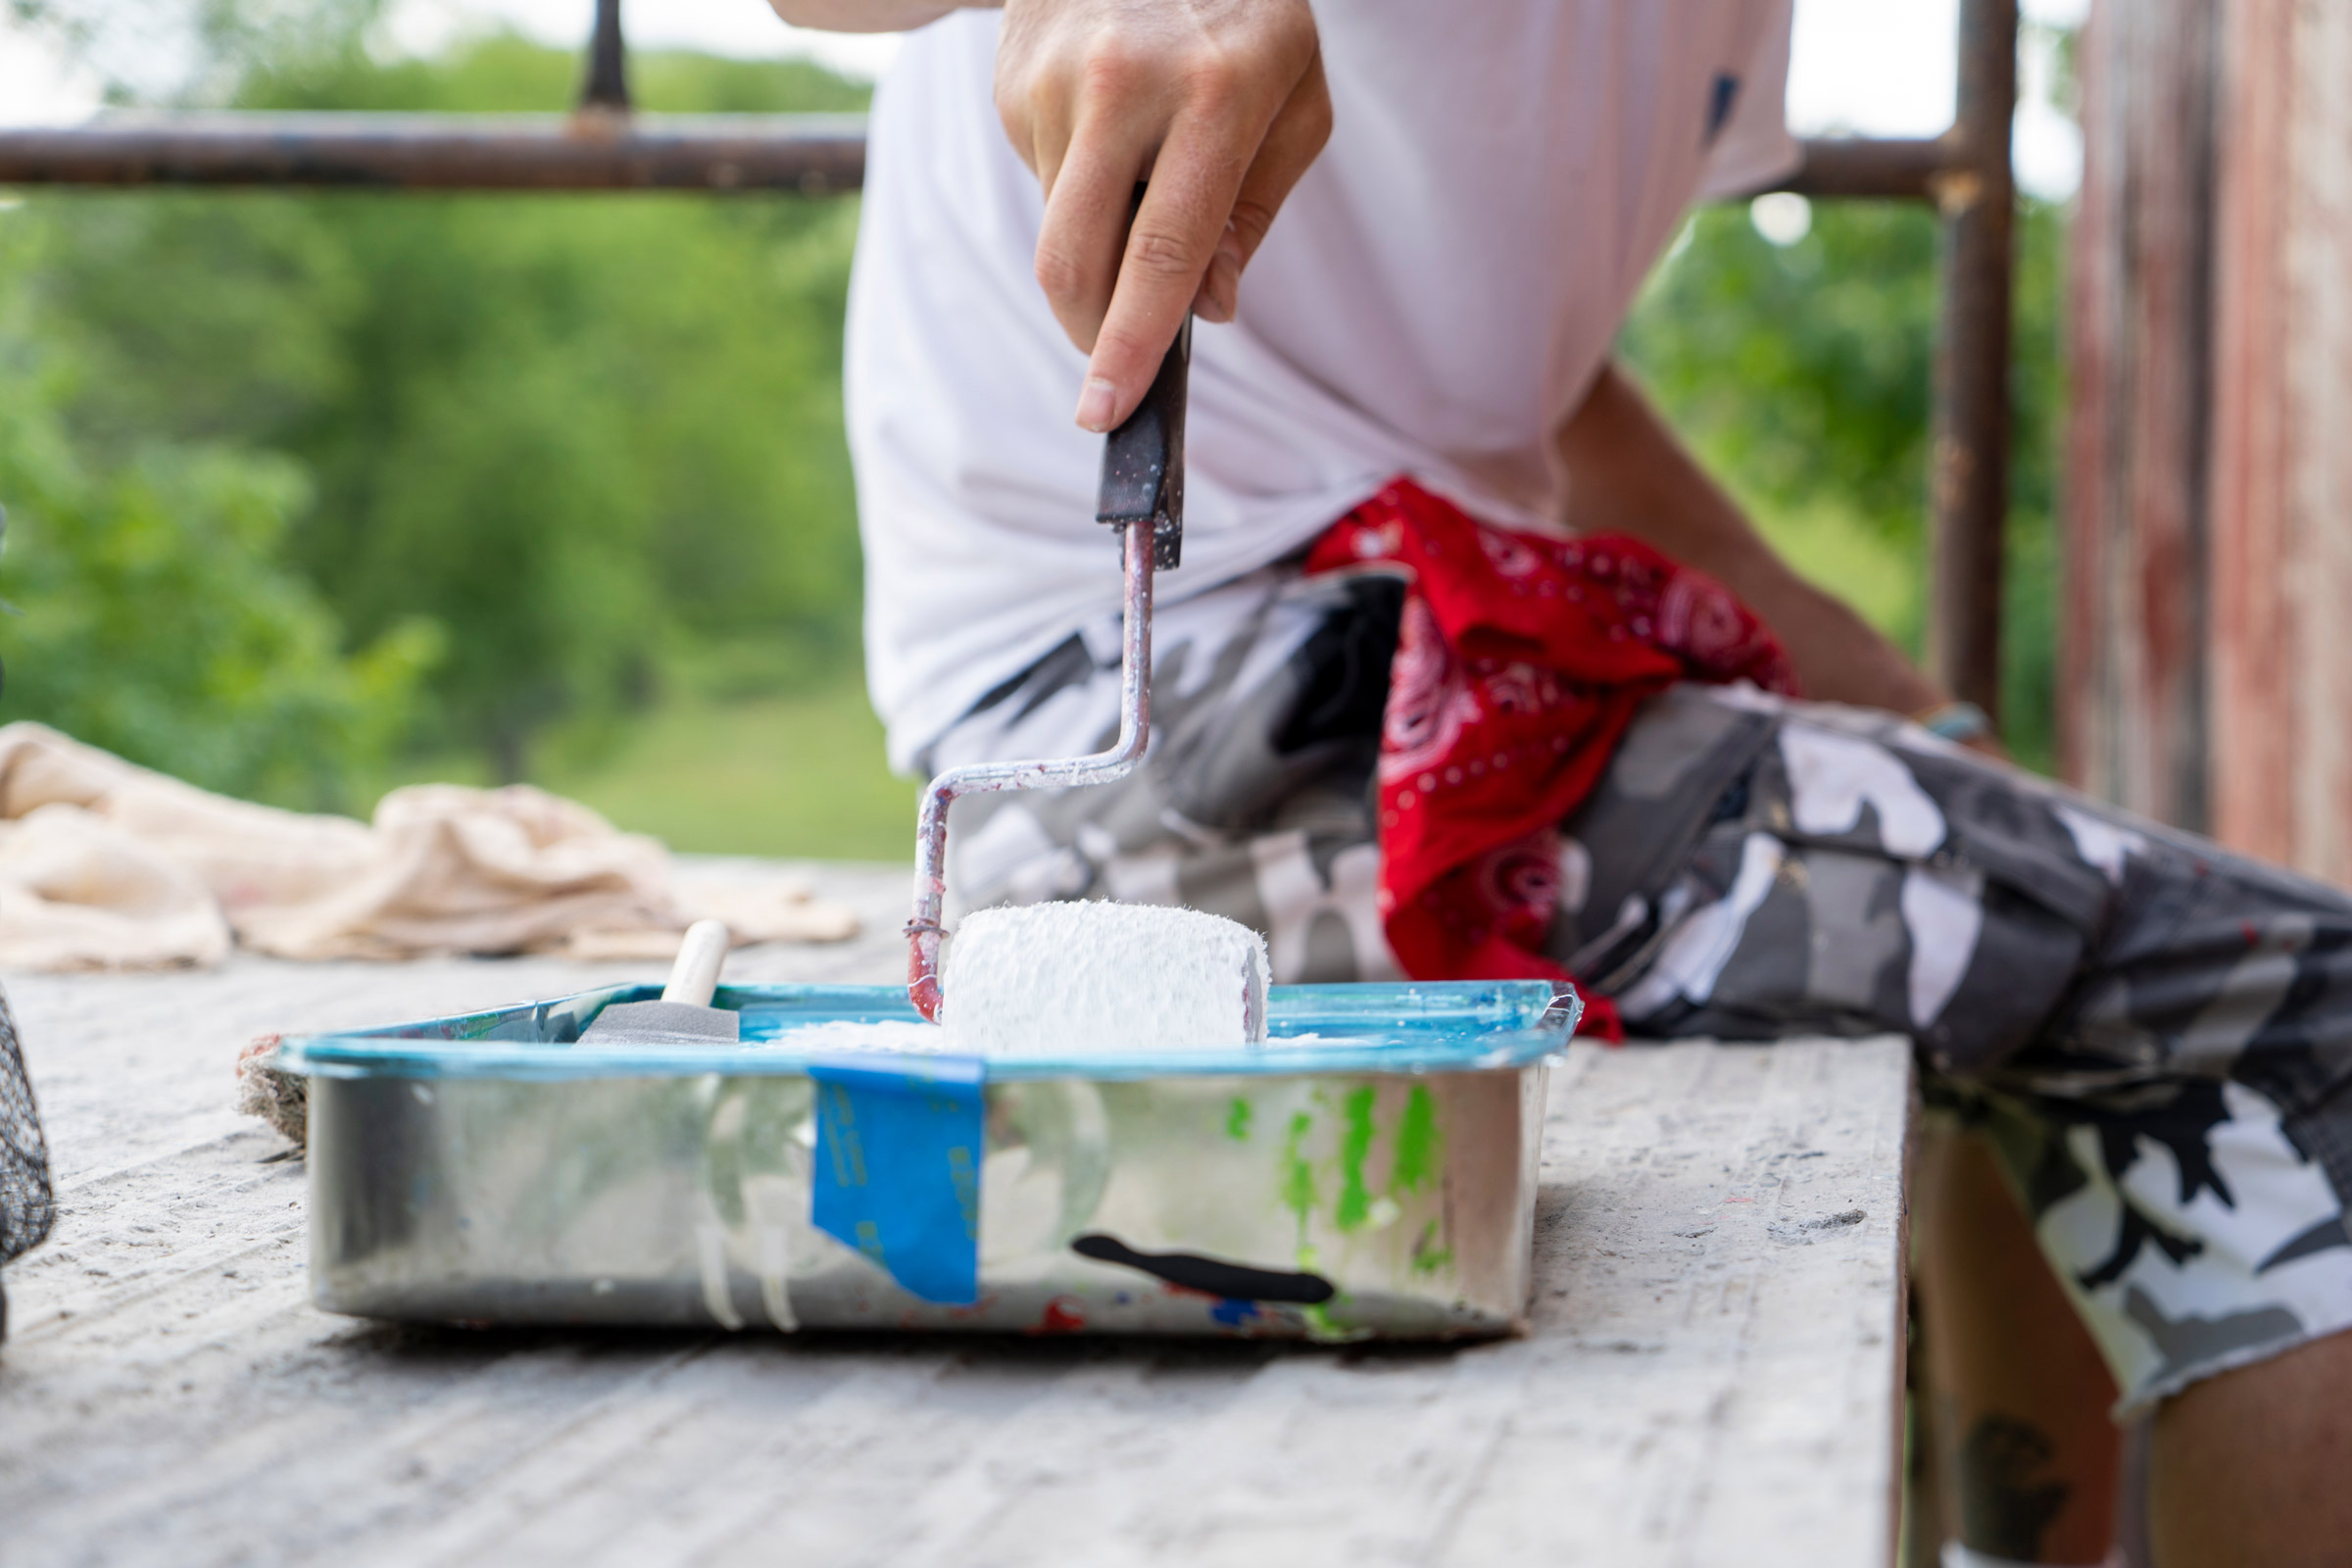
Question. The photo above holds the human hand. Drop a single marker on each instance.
(1220, 104)
(861, 15)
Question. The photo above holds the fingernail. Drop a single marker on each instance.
(1228, 247)
(1224, 287)
(1096, 402)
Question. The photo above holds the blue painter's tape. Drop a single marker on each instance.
(898, 1141)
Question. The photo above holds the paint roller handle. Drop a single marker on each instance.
(1143, 458)
(1142, 483)
(701, 952)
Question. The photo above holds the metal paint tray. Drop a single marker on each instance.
(1369, 1171)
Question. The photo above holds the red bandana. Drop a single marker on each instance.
(1519, 664)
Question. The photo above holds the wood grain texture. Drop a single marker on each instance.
(1713, 1374)
(2206, 675)
(2132, 687)
(2282, 467)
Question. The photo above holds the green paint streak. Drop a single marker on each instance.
(1355, 1199)
(1237, 1120)
(1298, 1175)
(1418, 1143)
(1324, 1329)
(1428, 1256)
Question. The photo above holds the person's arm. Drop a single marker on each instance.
(1627, 473)
(865, 16)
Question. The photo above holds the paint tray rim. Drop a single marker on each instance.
(1379, 1026)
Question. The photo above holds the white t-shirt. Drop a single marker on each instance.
(1432, 300)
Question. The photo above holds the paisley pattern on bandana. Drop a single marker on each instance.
(1429, 700)
(1521, 659)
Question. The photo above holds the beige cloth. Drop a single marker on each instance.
(105, 865)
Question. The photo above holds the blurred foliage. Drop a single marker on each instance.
(1803, 375)
(158, 616)
(595, 440)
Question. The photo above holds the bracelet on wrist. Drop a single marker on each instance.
(1958, 722)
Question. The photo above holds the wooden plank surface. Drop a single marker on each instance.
(1712, 1377)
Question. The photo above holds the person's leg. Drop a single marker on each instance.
(2255, 1465)
(2157, 1040)
(1810, 906)
(2184, 1133)
(2018, 1391)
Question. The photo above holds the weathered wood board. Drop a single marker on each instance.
(1712, 1377)
(2206, 664)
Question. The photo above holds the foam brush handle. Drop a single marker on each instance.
(702, 952)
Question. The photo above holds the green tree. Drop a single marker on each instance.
(596, 439)
(1802, 373)
(154, 617)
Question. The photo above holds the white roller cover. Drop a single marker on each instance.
(1050, 978)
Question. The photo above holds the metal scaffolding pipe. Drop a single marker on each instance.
(609, 150)
(1884, 167)
(606, 84)
(601, 150)
(1971, 451)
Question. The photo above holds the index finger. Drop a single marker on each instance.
(1194, 184)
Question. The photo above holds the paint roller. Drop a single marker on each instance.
(1085, 974)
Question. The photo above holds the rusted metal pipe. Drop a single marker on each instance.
(812, 154)
(1903, 169)
(1971, 445)
(606, 89)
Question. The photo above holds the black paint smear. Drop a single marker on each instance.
(1235, 1282)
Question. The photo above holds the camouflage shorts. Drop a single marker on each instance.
(2155, 1034)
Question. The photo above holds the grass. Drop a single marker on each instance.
(793, 776)
(799, 775)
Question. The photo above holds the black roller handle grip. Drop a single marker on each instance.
(1143, 460)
